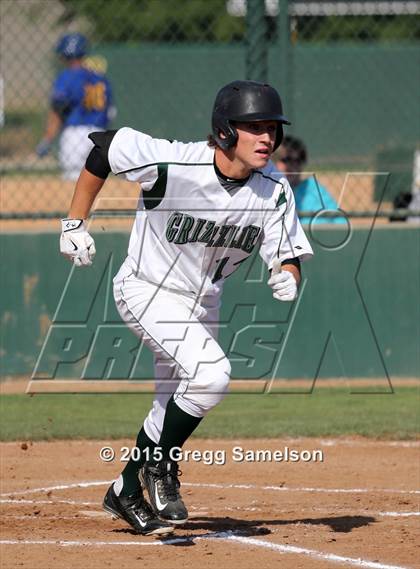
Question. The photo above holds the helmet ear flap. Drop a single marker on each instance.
(279, 135)
(222, 125)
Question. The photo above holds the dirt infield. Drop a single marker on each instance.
(356, 508)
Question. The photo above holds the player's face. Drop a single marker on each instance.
(255, 143)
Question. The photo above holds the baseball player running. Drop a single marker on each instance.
(81, 102)
(204, 208)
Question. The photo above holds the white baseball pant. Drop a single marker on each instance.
(181, 333)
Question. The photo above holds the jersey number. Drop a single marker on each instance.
(95, 97)
(221, 264)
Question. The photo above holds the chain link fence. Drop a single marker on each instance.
(348, 73)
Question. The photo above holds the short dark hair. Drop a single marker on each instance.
(296, 145)
(211, 141)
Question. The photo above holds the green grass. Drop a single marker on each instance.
(326, 412)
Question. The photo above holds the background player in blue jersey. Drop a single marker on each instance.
(81, 102)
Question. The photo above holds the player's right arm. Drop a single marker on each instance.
(75, 242)
(87, 188)
(126, 152)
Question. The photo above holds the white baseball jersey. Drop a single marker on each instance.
(190, 233)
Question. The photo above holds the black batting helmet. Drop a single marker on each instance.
(245, 101)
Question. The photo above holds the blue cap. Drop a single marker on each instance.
(72, 46)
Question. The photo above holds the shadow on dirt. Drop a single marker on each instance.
(218, 526)
(342, 524)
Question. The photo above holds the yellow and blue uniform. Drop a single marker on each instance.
(83, 100)
(80, 101)
(82, 97)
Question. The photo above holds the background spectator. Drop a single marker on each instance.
(290, 158)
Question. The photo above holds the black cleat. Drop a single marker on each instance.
(162, 484)
(136, 511)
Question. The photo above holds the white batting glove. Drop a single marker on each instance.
(75, 242)
(283, 283)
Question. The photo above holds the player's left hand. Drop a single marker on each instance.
(284, 286)
(75, 242)
(43, 148)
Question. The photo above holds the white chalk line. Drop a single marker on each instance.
(198, 511)
(69, 543)
(192, 484)
(286, 440)
(87, 515)
(223, 486)
(313, 553)
(398, 514)
(249, 541)
(59, 487)
(35, 518)
(224, 536)
(304, 489)
(18, 501)
(364, 444)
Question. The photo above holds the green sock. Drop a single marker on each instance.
(130, 474)
(177, 427)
